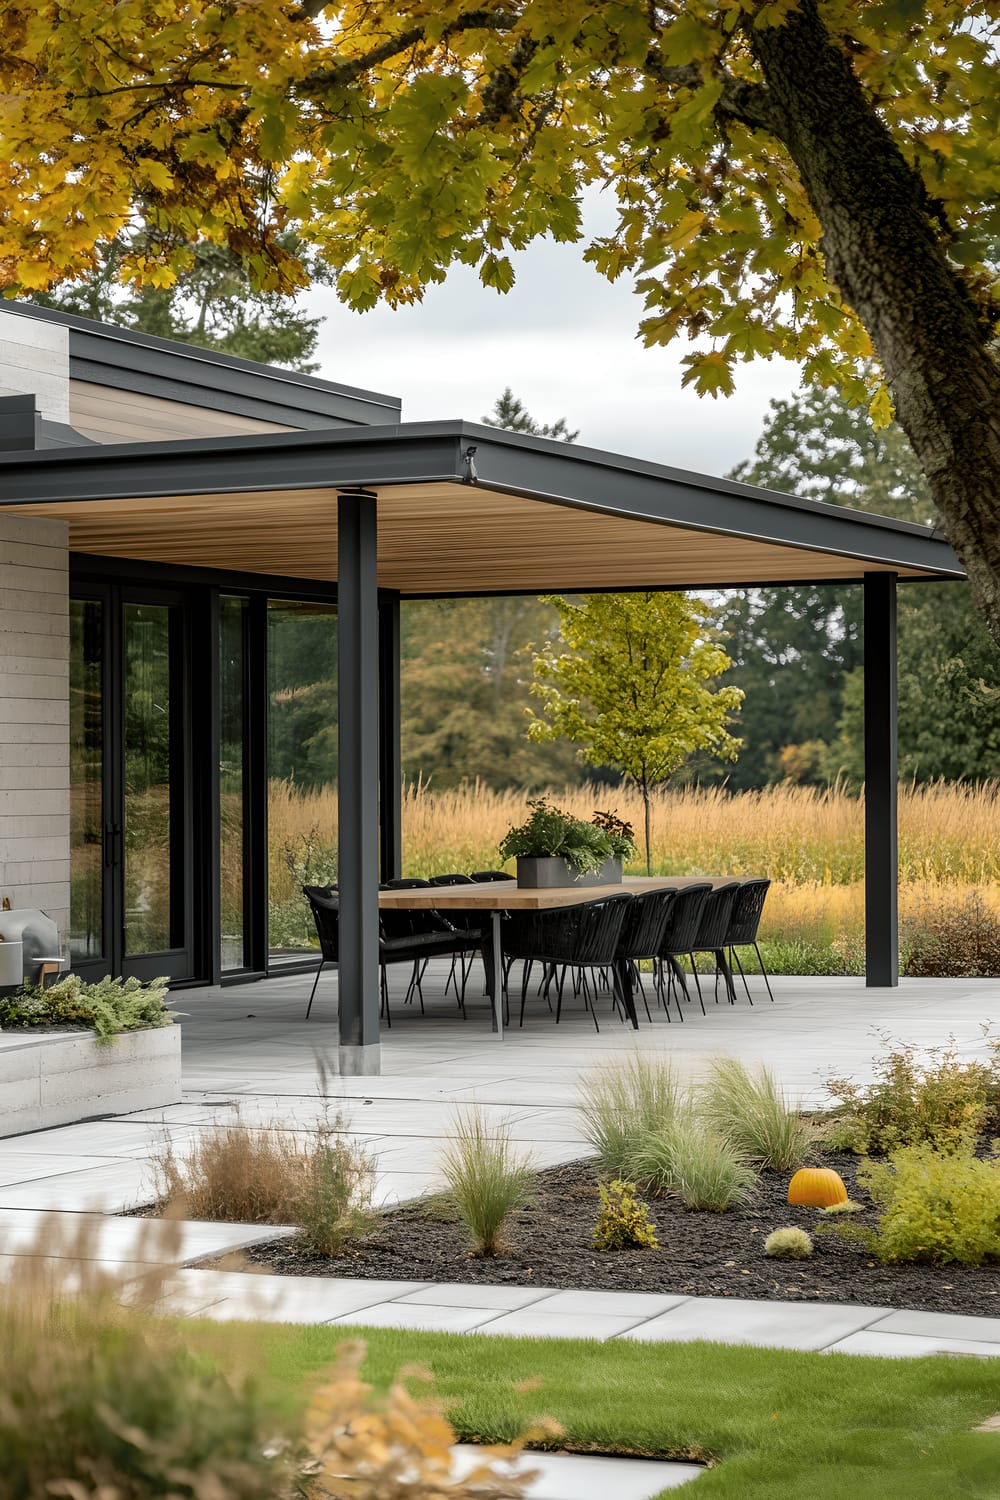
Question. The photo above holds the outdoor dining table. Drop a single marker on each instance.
(499, 896)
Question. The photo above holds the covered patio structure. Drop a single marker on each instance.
(451, 508)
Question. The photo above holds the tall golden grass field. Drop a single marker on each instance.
(808, 840)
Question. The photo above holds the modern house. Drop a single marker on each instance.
(180, 530)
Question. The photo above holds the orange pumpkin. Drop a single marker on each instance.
(817, 1187)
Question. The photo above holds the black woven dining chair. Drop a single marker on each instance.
(716, 916)
(680, 932)
(484, 876)
(426, 922)
(581, 937)
(642, 933)
(414, 948)
(744, 924)
(468, 921)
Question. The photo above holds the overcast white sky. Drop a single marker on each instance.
(564, 339)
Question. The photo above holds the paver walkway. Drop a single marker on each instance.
(250, 1054)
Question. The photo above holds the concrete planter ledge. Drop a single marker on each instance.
(59, 1078)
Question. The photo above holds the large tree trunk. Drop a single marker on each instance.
(884, 254)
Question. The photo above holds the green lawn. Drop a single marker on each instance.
(779, 1426)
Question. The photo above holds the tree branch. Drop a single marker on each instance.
(749, 103)
(349, 72)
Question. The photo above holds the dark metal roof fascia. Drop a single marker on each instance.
(349, 458)
(587, 478)
(423, 452)
(125, 360)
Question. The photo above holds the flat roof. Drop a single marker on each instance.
(462, 509)
(122, 359)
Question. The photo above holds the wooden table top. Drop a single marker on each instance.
(506, 895)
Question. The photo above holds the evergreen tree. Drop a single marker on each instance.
(798, 652)
(212, 304)
(510, 413)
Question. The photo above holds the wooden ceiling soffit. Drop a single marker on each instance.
(440, 538)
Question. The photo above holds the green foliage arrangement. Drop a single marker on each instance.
(691, 1161)
(621, 835)
(623, 1223)
(938, 1099)
(789, 1244)
(548, 832)
(107, 1007)
(749, 1109)
(937, 1206)
(623, 1105)
(836, 1210)
(486, 1178)
(318, 1180)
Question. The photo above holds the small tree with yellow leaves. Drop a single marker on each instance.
(629, 683)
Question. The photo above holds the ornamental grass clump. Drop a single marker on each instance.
(318, 1180)
(487, 1178)
(623, 1222)
(936, 1207)
(749, 1109)
(936, 1099)
(691, 1161)
(624, 1105)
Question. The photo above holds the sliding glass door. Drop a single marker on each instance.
(130, 759)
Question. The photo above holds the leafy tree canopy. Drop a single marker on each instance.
(628, 682)
(816, 179)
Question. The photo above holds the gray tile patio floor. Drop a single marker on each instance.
(250, 1054)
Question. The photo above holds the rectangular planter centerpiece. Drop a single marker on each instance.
(554, 873)
(58, 1078)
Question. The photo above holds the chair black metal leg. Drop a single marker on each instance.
(385, 999)
(763, 971)
(525, 974)
(694, 969)
(312, 993)
(746, 985)
(722, 967)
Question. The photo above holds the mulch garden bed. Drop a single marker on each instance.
(702, 1255)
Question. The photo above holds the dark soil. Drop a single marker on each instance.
(702, 1255)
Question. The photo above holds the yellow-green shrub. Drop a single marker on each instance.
(623, 1222)
(939, 1101)
(789, 1244)
(936, 1206)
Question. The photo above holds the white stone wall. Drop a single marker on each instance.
(34, 359)
(34, 715)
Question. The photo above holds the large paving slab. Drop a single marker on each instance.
(233, 1296)
(100, 1237)
(573, 1476)
(908, 1346)
(773, 1325)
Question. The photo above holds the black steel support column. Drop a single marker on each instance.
(390, 766)
(357, 735)
(881, 847)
